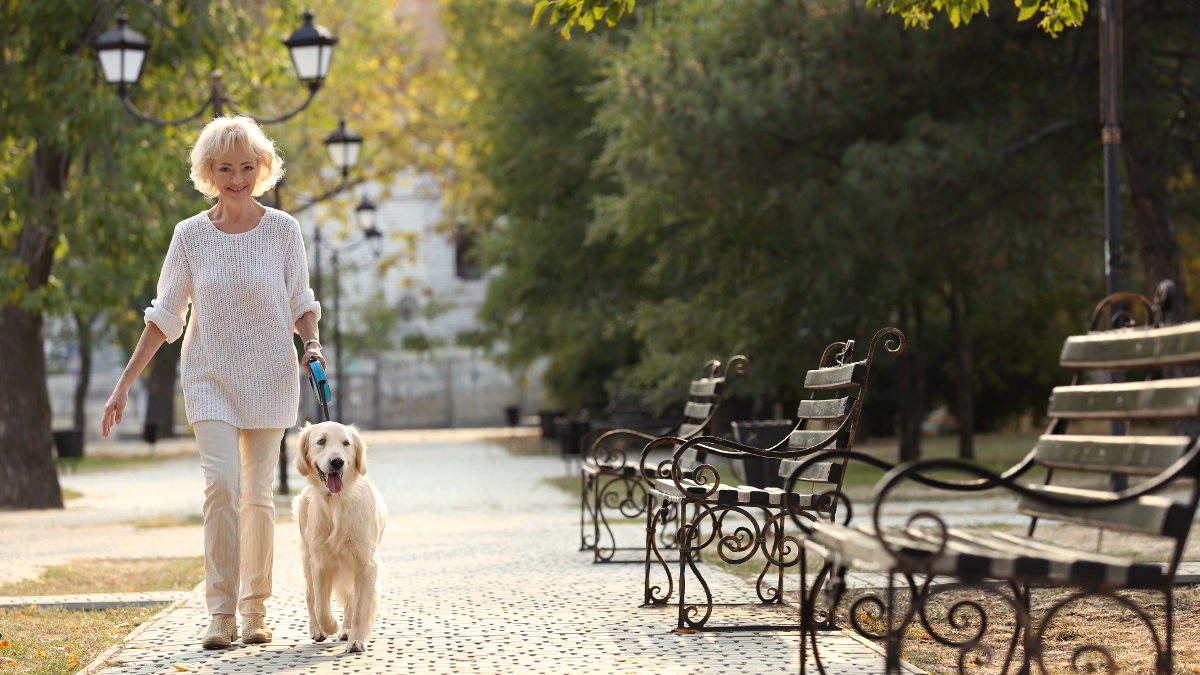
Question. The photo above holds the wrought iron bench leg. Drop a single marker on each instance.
(586, 484)
(652, 520)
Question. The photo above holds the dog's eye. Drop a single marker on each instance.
(320, 441)
(345, 442)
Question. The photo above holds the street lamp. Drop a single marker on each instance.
(122, 53)
(312, 50)
(343, 146)
(365, 213)
(371, 234)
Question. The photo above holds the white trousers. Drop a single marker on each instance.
(239, 514)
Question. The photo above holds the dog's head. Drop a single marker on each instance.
(331, 453)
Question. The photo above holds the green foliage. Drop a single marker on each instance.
(771, 180)
(527, 181)
(420, 342)
(1057, 15)
(375, 326)
(586, 13)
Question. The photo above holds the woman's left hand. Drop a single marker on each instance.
(313, 352)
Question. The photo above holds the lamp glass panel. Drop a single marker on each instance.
(352, 150)
(110, 63)
(366, 218)
(326, 59)
(307, 60)
(341, 154)
(133, 64)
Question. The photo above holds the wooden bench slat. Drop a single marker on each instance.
(836, 377)
(697, 410)
(1146, 515)
(826, 409)
(1158, 399)
(689, 430)
(1133, 348)
(821, 472)
(709, 386)
(807, 438)
(1135, 455)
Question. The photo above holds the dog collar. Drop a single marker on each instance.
(322, 475)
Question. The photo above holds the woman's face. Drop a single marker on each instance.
(235, 174)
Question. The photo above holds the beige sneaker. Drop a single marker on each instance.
(254, 629)
(220, 633)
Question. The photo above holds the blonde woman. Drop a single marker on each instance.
(243, 269)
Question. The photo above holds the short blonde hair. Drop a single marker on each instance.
(223, 134)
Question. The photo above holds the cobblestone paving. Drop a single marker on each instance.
(498, 589)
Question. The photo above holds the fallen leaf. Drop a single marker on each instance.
(131, 589)
(5, 643)
(180, 667)
(39, 581)
(41, 653)
(689, 631)
(464, 659)
(5, 661)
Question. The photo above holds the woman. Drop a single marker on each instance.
(243, 269)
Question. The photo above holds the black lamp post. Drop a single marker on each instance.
(1110, 137)
(122, 52)
(365, 214)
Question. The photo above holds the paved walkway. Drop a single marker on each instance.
(481, 575)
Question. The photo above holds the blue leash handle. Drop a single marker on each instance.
(320, 386)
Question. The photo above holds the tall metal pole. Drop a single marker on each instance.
(1110, 136)
(337, 335)
(218, 108)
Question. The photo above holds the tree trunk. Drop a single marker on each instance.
(28, 479)
(160, 389)
(83, 328)
(961, 334)
(912, 384)
(1156, 231)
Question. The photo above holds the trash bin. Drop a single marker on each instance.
(761, 471)
(570, 432)
(512, 414)
(546, 417)
(69, 444)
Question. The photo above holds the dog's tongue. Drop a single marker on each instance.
(333, 481)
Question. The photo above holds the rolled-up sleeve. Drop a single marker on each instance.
(168, 310)
(302, 298)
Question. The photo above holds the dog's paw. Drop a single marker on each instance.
(317, 634)
(355, 646)
(344, 635)
(329, 625)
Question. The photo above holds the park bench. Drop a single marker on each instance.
(689, 483)
(1004, 566)
(612, 482)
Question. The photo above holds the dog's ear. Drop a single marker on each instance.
(303, 464)
(360, 451)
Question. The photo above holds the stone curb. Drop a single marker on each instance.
(92, 601)
(905, 665)
(102, 661)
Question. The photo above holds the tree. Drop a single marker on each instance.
(524, 176)
(57, 119)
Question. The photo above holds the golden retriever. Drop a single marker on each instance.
(341, 519)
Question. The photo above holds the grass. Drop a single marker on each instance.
(68, 493)
(54, 641)
(1091, 621)
(168, 520)
(98, 464)
(526, 446)
(112, 576)
(568, 484)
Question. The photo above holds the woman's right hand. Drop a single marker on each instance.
(114, 409)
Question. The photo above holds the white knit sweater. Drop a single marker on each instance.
(246, 291)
